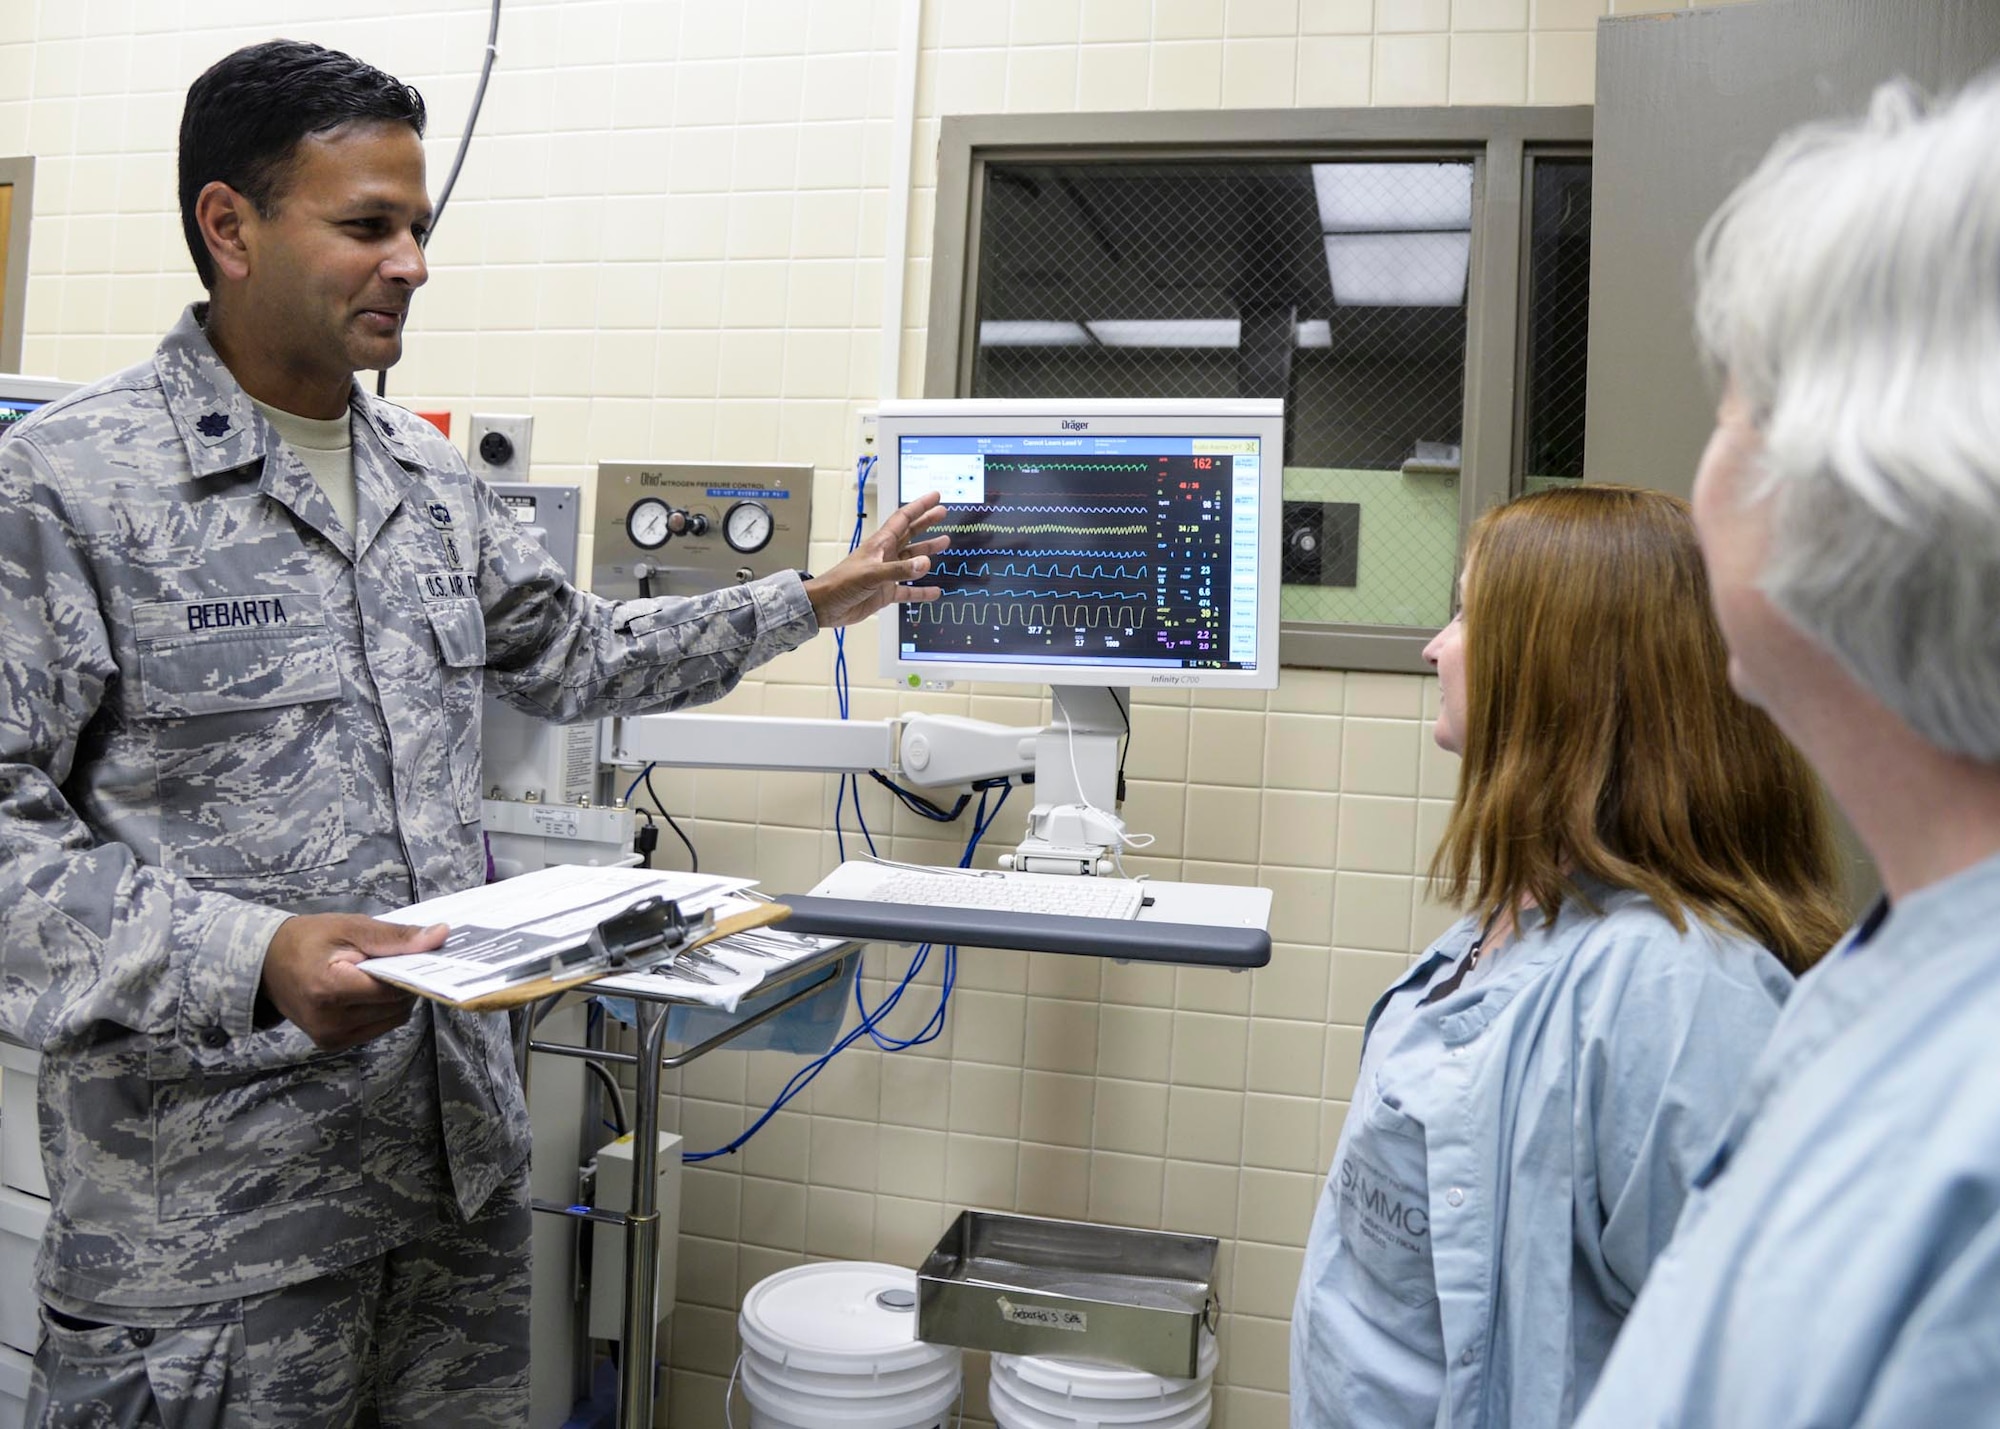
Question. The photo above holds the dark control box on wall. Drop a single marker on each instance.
(1322, 542)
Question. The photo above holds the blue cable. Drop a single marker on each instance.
(934, 1027)
(871, 1020)
(863, 470)
(804, 1076)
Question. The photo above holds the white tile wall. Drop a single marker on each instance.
(668, 241)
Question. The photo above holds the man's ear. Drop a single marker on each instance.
(222, 215)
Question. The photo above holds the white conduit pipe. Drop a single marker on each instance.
(897, 221)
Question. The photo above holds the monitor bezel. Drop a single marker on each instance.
(1263, 419)
(19, 387)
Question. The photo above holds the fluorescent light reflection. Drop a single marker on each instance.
(1398, 270)
(1404, 198)
(997, 333)
(1167, 332)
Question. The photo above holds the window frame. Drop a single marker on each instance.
(1535, 154)
(1501, 141)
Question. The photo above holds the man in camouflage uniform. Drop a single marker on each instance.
(240, 681)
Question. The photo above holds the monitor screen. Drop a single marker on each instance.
(21, 395)
(1109, 543)
(12, 409)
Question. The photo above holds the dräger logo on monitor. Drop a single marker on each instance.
(1071, 425)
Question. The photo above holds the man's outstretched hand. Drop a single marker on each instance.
(873, 574)
(313, 977)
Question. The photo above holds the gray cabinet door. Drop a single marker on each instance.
(1687, 102)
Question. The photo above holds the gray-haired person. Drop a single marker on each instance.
(1840, 1263)
(251, 612)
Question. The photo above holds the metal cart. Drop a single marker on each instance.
(641, 1223)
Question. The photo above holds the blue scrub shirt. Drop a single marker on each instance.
(1514, 1159)
(1839, 1263)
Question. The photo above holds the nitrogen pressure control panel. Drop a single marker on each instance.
(686, 527)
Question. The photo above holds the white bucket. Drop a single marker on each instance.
(833, 1346)
(1041, 1392)
(1010, 1413)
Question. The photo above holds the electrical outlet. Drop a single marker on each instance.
(497, 445)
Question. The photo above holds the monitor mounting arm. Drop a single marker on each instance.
(1073, 827)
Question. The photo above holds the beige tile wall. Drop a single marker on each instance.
(668, 242)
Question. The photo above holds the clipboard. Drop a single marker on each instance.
(644, 935)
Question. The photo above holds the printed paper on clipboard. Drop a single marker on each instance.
(529, 937)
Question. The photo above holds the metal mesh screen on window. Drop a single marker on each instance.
(1558, 321)
(1340, 287)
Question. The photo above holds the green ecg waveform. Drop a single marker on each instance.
(954, 527)
(1001, 464)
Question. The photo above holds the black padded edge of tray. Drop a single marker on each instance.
(1126, 938)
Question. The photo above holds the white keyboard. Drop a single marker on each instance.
(1007, 892)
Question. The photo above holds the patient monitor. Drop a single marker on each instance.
(1102, 544)
(1094, 545)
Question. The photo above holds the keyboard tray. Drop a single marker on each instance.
(1132, 939)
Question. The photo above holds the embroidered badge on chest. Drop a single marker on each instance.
(440, 515)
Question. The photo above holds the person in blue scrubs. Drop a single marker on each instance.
(1839, 1261)
(1644, 865)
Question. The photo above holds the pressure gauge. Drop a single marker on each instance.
(747, 526)
(649, 524)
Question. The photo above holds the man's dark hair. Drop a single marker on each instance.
(248, 112)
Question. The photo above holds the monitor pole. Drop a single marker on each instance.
(1074, 827)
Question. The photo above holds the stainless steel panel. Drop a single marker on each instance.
(695, 562)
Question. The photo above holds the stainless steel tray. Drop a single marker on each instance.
(1026, 1286)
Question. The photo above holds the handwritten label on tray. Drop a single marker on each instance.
(1045, 1317)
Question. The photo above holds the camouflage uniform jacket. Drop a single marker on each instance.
(218, 707)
